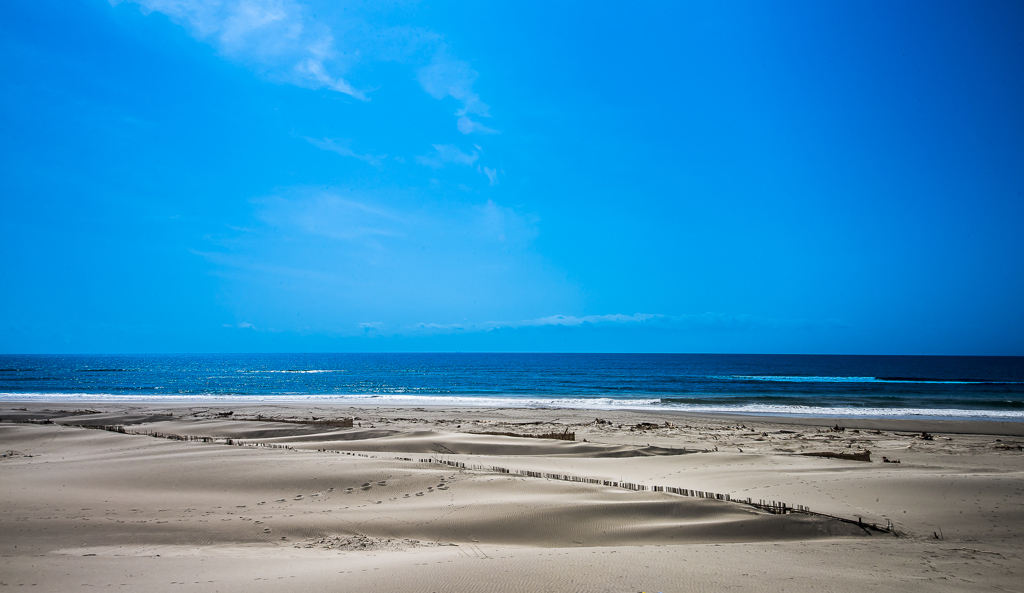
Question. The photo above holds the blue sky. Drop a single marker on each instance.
(274, 175)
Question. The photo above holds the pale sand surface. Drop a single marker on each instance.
(310, 507)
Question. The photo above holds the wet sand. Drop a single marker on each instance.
(272, 497)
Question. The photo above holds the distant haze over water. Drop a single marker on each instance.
(871, 386)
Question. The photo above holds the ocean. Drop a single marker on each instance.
(949, 387)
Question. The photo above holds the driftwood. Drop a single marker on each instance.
(337, 423)
(561, 436)
(860, 456)
(340, 423)
(645, 426)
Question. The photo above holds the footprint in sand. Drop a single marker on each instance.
(419, 494)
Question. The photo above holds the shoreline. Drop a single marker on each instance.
(954, 425)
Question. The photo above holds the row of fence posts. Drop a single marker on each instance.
(611, 483)
(770, 506)
(773, 507)
(178, 437)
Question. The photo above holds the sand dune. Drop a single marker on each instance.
(318, 436)
(214, 494)
(380, 440)
(318, 504)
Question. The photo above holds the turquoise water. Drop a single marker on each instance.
(920, 386)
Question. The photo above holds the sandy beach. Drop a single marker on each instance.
(262, 497)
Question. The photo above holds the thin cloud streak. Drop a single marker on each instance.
(277, 36)
(341, 147)
(468, 126)
(692, 322)
(283, 40)
(447, 154)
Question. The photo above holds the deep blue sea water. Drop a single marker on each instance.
(865, 386)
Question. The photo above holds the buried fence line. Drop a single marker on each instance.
(120, 429)
(770, 506)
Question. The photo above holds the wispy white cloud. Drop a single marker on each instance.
(234, 261)
(278, 37)
(492, 174)
(447, 154)
(284, 41)
(553, 320)
(693, 322)
(572, 320)
(243, 325)
(315, 72)
(331, 216)
(342, 147)
(500, 223)
(441, 326)
(468, 126)
(353, 257)
(305, 215)
(447, 76)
